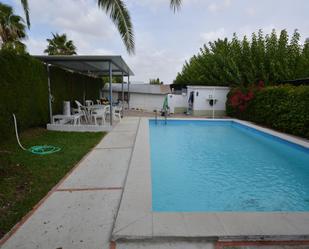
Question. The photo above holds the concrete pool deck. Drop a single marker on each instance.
(136, 220)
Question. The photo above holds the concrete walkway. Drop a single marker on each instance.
(80, 211)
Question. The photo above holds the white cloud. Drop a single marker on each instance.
(35, 46)
(213, 35)
(250, 11)
(156, 6)
(92, 23)
(215, 6)
(84, 23)
(247, 30)
(153, 62)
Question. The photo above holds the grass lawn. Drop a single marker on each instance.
(26, 178)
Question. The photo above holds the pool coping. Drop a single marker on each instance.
(136, 220)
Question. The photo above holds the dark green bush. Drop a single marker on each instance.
(72, 86)
(23, 84)
(284, 108)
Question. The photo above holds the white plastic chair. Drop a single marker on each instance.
(116, 111)
(82, 110)
(89, 102)
(100, 114)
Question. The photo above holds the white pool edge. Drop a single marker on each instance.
(136, 220)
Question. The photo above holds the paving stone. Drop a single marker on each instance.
(119, 139)
(169, 244)
(102, 168)
(69, 220)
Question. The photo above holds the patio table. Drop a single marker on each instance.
(93, 107)
(89, 109)
(67, 118)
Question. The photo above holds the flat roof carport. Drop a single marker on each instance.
(91, 65)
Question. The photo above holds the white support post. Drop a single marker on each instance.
(110, 94)
(128, 92)
(122, 94)
(213, 103)
(49, 95)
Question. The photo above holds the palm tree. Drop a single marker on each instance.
(25, 5)
(119, 14)
(12, 29)
(60, 45)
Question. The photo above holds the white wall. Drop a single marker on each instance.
(177, 101)
(150, 102)
(202, 93)
(147, 102)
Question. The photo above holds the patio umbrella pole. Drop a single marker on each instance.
(110, 94)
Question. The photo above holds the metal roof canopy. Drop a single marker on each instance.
(97, 65)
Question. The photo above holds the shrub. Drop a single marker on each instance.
(23, 84)
(283, 107)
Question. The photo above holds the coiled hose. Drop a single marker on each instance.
(37, 149)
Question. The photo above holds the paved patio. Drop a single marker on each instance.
(80, 211)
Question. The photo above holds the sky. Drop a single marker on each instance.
(164, 40)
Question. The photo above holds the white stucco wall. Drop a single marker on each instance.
(177, 101)
(202, 93)
(147, 102)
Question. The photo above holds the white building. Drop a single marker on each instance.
(145, 97)
(200, 101)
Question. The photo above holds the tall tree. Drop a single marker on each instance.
(303, 67)
(25, 5)
(294, 53)
(119, 14)
(237, 62)
(60, 45)
(12, 29)
(156, 81)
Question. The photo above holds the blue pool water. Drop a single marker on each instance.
(225, 166)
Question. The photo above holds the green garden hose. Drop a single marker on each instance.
(43, 149)
(37, 149)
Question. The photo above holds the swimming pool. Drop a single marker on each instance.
(199, 166)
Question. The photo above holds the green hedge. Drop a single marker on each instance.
(72, 86)
(23, 84)
(284, 108)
